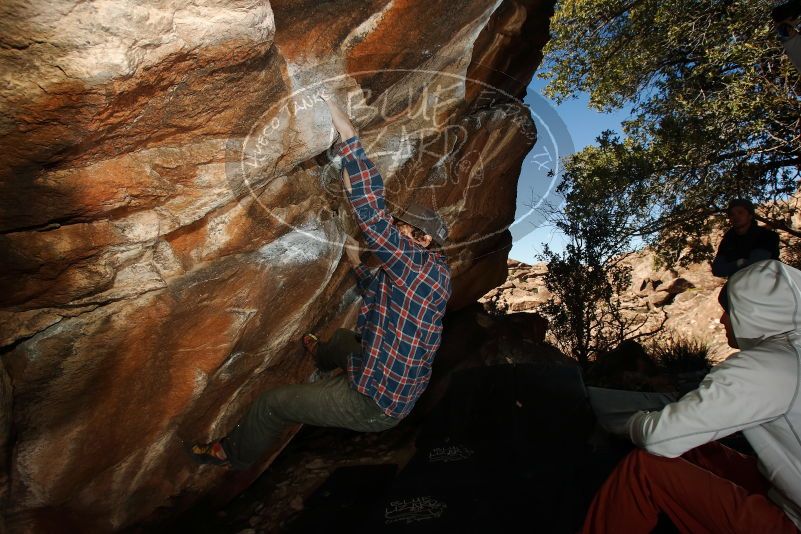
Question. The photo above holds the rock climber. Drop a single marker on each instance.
(388, 358)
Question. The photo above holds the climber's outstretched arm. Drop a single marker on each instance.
(344, 127)
(341, 121)
(365, 188)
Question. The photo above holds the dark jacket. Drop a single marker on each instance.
(758, 243)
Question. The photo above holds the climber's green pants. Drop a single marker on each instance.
(331, 402)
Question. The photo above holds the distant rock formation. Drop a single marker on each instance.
(687, 296)
(170, 225)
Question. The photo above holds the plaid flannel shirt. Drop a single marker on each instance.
(403, 302)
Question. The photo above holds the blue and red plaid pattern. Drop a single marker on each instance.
(403, 303)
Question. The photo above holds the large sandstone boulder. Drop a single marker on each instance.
(678, 303)
(170, 221)
(523, 291)
(685, 299)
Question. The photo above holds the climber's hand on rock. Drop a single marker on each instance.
(353, 251)
(338, 117)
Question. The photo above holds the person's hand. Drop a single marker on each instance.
(338, 117)
(325, 96)
(353, 251)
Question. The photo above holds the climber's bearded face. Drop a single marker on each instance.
(415, 234)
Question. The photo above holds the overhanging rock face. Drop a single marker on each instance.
(170, 220)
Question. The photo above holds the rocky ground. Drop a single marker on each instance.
(278, 498)
(686, 297)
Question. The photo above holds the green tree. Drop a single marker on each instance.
(587, 315)
(715, 111)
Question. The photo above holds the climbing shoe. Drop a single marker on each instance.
(310, 344)
(208, 454)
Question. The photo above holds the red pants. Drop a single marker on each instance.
(710, 489)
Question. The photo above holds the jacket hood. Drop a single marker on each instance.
(764, 300)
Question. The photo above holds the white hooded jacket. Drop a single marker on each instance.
(755, 390)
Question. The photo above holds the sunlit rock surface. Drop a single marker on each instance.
(678, 303)
(170, 222)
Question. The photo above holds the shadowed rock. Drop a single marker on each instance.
(169, 228)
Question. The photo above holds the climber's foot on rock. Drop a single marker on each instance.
(310, 342)
(210, 453)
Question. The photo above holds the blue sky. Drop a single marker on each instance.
(562, 128)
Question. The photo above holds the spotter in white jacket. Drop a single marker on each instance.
(755, 390)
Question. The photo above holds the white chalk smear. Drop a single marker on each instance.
(302, 247)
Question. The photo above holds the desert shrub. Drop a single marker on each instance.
(629, 366)
(680, 354)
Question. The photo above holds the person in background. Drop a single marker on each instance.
(787, 22)
(745, 242)
(681, 470)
